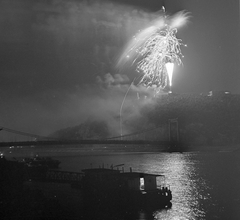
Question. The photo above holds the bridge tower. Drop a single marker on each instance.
(174, 137)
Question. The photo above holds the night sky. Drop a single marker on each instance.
(57, 57)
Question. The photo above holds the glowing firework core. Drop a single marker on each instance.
(169, 67)
(156, 49)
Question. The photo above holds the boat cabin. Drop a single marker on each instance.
(141, 181)
(125, 180)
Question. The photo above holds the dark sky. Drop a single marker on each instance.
(57, 57)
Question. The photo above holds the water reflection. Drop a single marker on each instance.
(188, 187)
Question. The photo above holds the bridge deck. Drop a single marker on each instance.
(79, 142)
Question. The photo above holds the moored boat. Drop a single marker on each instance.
(113, 188)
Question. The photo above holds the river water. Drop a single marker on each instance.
(205, 185)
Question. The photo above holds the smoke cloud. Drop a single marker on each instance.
(58, 64)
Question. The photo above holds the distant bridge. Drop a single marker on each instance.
(80, 142)
(156, 136)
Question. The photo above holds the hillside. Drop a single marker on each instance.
(203, 119)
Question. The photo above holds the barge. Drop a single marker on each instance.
(114, 188)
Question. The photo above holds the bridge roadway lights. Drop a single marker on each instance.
(72, 142)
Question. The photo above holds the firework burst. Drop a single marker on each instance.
(155, 46)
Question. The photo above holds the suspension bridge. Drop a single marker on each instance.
(158, 136)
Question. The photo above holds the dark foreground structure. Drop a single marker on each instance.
(103, 191)
(19, 201)
(118, 190)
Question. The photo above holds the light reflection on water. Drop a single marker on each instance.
(187, 188)
(181, 175)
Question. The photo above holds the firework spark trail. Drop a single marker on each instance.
(155, 46)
